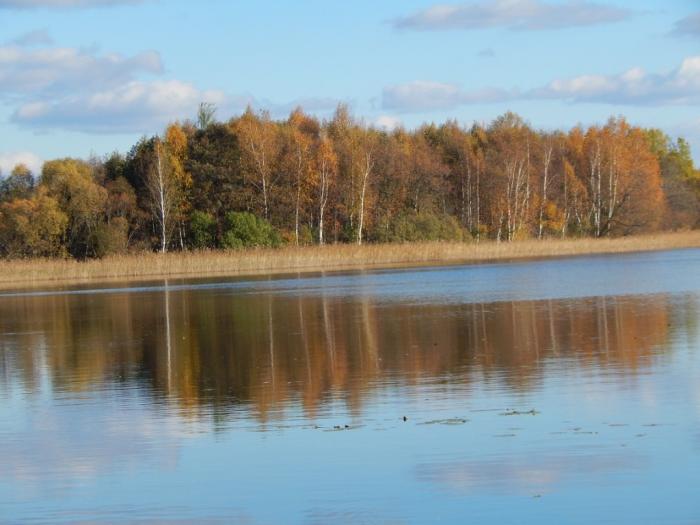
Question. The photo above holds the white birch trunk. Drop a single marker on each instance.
(365, 177)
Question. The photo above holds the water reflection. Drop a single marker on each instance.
(538, 472)
(219, 352)
(355, 399)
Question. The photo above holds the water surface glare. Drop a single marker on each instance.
(559, 391)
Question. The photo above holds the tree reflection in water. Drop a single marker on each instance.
(218, 350)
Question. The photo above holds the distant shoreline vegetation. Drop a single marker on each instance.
(148, 266)
(256, 182)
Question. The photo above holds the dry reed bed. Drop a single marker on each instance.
(144, 266)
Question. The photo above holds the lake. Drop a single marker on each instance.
(557, 391)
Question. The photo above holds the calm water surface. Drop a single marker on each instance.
(564, 392)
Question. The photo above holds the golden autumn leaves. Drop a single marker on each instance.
(340, 180)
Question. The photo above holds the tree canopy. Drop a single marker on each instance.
(256, 181)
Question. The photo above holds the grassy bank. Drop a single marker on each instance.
(144, 266)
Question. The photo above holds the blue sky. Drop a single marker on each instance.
(81, 77)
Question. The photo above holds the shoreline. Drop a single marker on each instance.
(32, 273)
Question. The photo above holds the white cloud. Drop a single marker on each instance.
(388, 122)
(84, 90)
(517, 15)
(540, 472)
(10, 159)
(146, 107)
(680, 86)
(690, 25)
(423, 95)
(62, 4)
(60, 70)
(633, 87)
(135, 107)
(52, 88)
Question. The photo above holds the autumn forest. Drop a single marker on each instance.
(254, 181)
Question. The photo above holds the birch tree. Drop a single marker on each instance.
(548, 146)
(303, 129)
(326, 167)
(511, 164)
(176, 146)
(163, 192)
(367, 145)
(259, 141)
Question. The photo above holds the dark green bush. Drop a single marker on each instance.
(202, 230)
(245, 230)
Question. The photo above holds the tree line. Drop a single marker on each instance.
(255, 181)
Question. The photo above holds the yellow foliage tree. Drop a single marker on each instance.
(32, 227)
(82, 199)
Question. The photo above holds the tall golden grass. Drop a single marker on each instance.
(145, 266)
